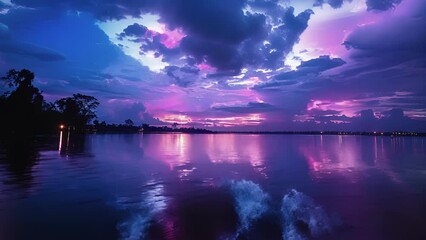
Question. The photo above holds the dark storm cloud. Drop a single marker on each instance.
(154, 43)
(307, 70)
(150, 41)
(392, 120)
(332, 3)
(273, 85)
(251, 107)
(266, 47)
(181, 76)
(325, 116)
(384, 58)
(332, 118)
(222, 74)
(220, 20)
(313, 67)
(320, 64)
(190, 69)
(224, 41)
(281, 39)
(193, 15)
(320, 112)
(367, 114)
(394, 114)
(372, 5)
(389, 55)
(382, 5)
(399, 37)
(134, 30)
(220, 55)
(219, 32)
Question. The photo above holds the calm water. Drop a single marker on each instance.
(225, 186)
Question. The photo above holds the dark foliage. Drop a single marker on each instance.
(77, 111)
(24, 112)
(21, 110)
(103, 127)
(152, 129)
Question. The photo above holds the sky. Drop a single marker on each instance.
(237, 65)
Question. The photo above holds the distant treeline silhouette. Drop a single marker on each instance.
(128, 127)
(153, 129)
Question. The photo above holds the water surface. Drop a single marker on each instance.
(214, 186)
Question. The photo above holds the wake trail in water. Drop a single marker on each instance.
(142, 213)
(135, 227)
(303, 218)
(251, 202)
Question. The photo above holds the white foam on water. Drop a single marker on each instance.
(251, 202)
(134, 228)
(142, 213)
(299, 209)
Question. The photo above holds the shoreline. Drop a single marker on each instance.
(392, 134)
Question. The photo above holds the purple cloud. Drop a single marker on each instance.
(251, 107)
(382, 5)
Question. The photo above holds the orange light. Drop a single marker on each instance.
(61, 126)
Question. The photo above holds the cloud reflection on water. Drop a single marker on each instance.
(350, 156)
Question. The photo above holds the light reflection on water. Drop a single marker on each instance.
(175, 186)
(232, 149)
(352, 156)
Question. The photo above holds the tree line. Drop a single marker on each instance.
(24, 111)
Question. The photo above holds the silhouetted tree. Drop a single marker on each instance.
(77, 111)
(20, 109)
(129, 123)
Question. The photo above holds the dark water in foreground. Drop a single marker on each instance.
(225, 186)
